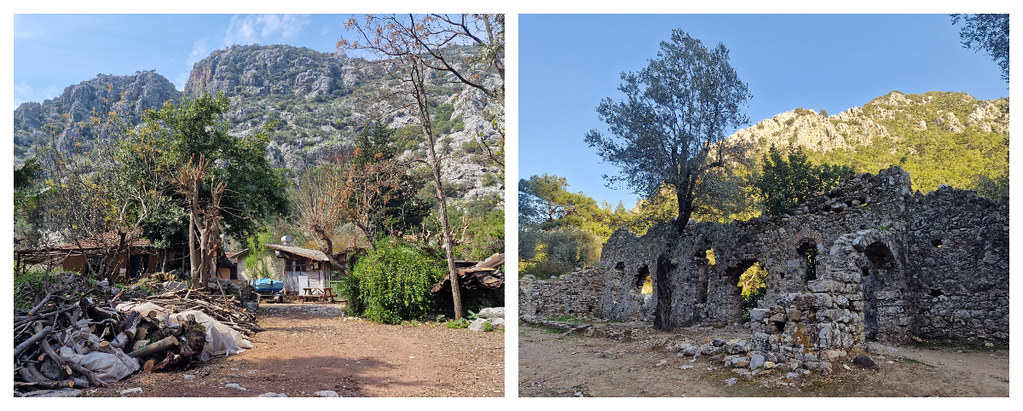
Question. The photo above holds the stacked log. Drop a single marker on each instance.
(74, 336)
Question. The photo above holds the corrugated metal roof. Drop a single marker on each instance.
(316, 255)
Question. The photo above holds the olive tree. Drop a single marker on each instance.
(669, 128)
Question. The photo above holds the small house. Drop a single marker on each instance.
(306, 271)
(230, 264)
(137, 258)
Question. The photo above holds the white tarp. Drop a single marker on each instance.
(109, 362)
(220, 339)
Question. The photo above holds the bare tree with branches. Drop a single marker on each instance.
(203, 219)
(419, 45)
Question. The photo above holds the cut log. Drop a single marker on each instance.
(156, 347)
(32, 340)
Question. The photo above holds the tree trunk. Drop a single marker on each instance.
(665, 269)
(416, 71)
(456, 292)
(193, 256)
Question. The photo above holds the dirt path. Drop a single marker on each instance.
(308, 348)
(552, 364)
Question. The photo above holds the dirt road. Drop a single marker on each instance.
(553, 364)
(308, 348)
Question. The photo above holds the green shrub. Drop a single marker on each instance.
(392, 283)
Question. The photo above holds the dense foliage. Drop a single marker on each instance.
(194, 129)
(392, 284)
(787, 182)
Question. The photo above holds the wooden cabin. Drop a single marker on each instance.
(306, 271)
(139, 256)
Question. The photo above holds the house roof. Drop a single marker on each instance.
(315, 255)
(490, 264)
(108, 239)
(237, 255)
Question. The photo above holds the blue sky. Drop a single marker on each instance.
(52, 52)
(568, 63)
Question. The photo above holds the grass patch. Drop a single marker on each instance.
(566, 318)
(461, 323)
(914, 361)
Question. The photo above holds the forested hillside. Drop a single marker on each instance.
(938, 137)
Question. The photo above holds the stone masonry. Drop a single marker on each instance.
(868, 261)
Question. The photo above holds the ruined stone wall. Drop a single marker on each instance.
(577, 294)
(868, 261)
(960, 244)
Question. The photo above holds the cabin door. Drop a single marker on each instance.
(303, 283)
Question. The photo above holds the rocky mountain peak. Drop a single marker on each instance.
(891, 116)
(265, 70)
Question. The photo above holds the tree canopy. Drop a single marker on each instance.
(787, 182)
(255, 190)
(988, 33)
(675, 113)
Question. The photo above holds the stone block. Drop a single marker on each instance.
(757, 314)
(756, 361)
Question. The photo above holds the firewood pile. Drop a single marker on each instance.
(79, 334)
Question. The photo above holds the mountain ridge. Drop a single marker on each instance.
(319, 102)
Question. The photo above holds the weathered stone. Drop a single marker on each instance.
(756, 361)
(690, 350)
(718, 342)
(130, 391)
(708, 349)
(794, 314)
(864, 361)
(757, 314)
(739, 347)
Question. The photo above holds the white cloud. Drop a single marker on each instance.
(24, 92)
(263, 28)
(200, 49)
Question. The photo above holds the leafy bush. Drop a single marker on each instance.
(461, 323)
(558, 251)
(392, 283)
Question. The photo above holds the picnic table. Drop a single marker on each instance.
(321, 294)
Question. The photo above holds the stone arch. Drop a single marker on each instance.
(734, 305)
(703, 259)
